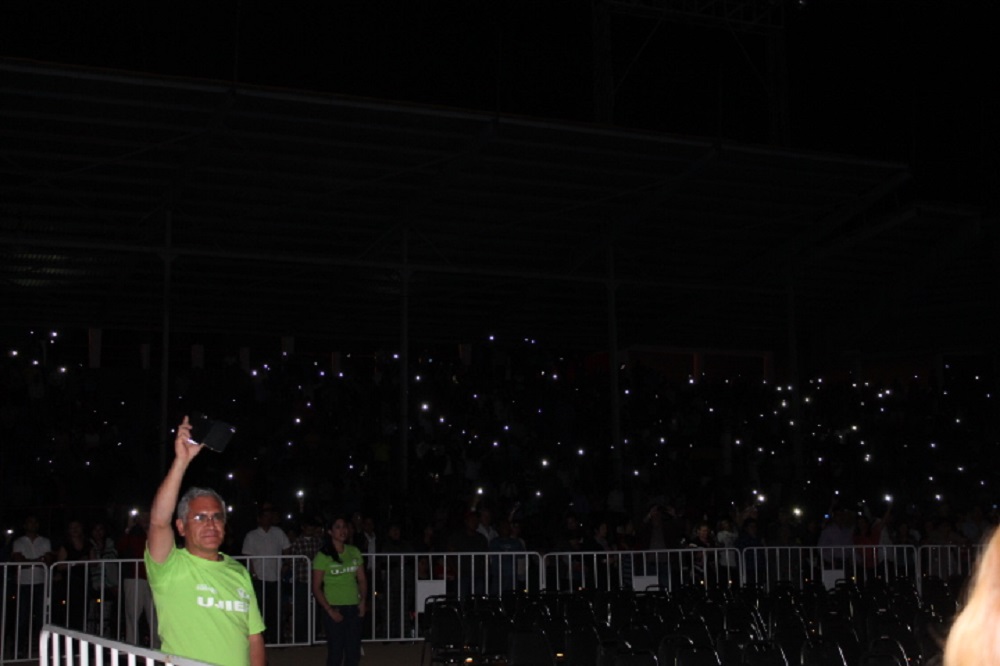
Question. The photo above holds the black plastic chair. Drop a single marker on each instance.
(531, 613)
(791, 636)
(446, 636)
(695, 629)
(637, 638)
(577, 610)
(764, 653)
(840, 630)
(582, 646)
(529, 648)
(697, 656)
(889, 646)
(740, 617)
(555, 630)
(729, 645)
(878, 659)
(635, 659)
(493, 634)
(670, 645)
(822, 652)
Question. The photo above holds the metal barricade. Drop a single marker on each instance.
(400, 584)
(286, 603)
(24, 611)
(949, 562)
(58, 646)
(108, 598)
(804, 565)
(641, 569)
(111, 599)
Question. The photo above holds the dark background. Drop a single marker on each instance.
(898, 80)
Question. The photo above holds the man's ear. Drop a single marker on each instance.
(180, 526)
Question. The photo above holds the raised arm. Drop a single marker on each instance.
(161, 531)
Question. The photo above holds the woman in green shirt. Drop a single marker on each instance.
(341, 588)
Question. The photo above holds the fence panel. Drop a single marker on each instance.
(400, 584)
(286, 603)
(641, 569)
(947, 562)
(110, 599)
(802, 565)
(24, 611)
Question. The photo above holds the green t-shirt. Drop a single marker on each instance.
(207, 610)
(340, 579)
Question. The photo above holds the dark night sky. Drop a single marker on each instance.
(901, 80)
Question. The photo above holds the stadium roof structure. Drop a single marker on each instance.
(236, 212)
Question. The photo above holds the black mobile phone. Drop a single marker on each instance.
(211, 433)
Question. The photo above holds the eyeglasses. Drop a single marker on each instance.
(205, 518)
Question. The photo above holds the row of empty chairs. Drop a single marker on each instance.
(882, 624)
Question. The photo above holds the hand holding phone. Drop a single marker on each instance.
(213, 434)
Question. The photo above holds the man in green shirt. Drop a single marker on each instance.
(204, 599)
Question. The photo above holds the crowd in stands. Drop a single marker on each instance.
(519, 439)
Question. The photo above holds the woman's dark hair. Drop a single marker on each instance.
(328, 547)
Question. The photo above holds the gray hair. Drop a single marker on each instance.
(195, 493)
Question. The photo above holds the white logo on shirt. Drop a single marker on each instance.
(223, 604)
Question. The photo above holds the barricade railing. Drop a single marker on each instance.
(24, 610)
(285, 600)
(641, 569)
(946, 562)
(58, 646)
(802, 565)
(108, 598)
(399, 585)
